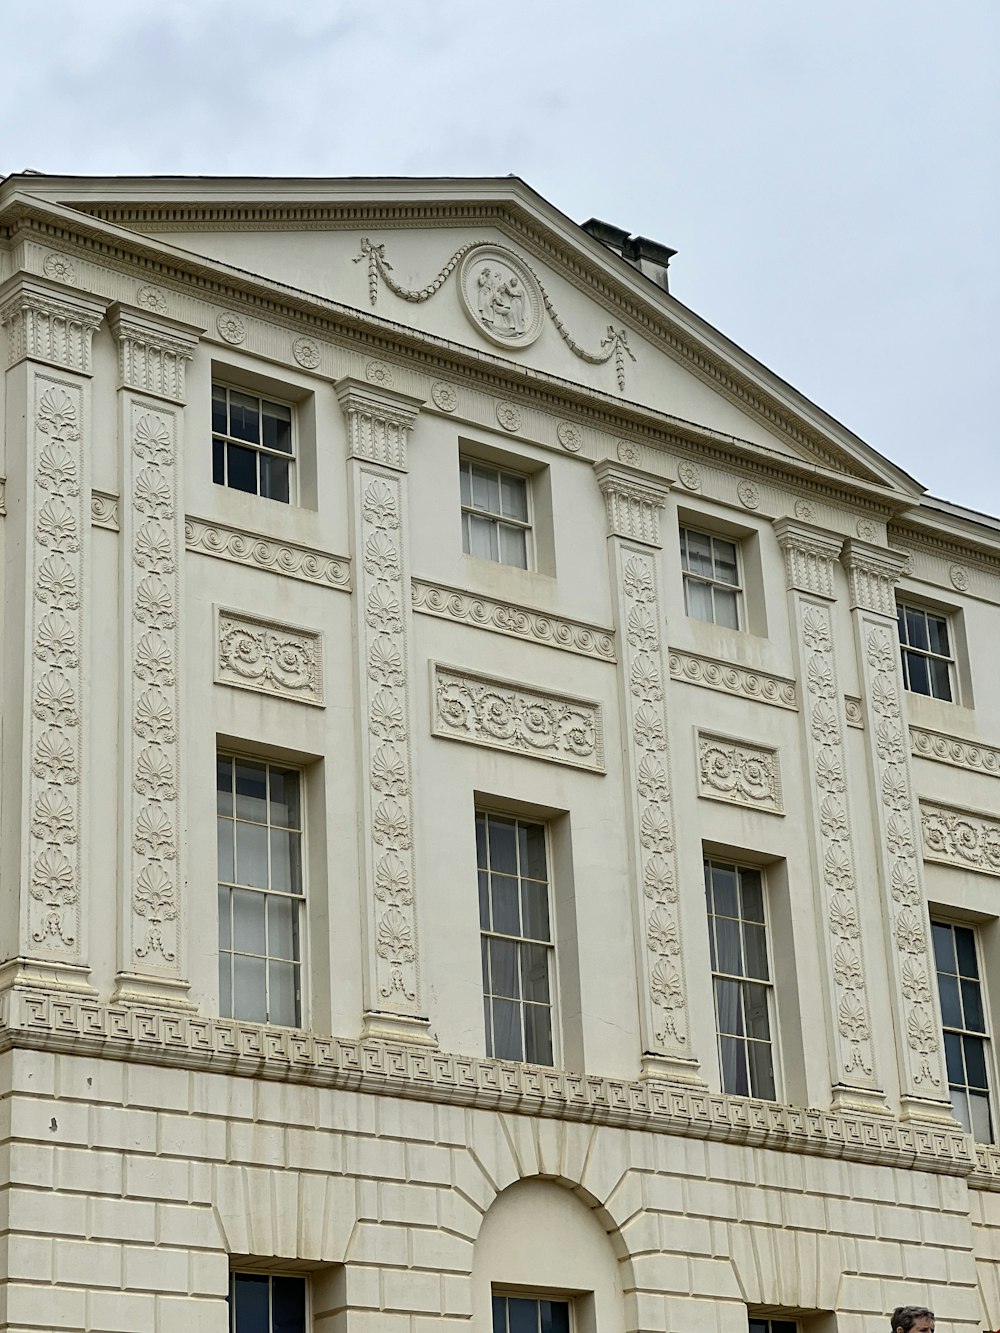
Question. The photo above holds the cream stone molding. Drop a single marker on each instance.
(485, 710)
(810, 555)
(378, 421)
(49, 324)
(504, 311)
(206, 537)
(152, 351)
(854, 712)
(104, 510)
(960, 838)
(88, 1027)
(520, 622)
(954, 750)
(269, 657)
(873, 572)
(738, 772)
(633, 502)
(728, 677)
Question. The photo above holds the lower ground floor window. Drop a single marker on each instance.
(529, 1314)
(772, 1326)
(267, 1303)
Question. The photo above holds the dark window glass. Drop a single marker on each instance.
(963, 1020)
(252, 444)
(524, 1314)
(259, 1303)
(925, 650)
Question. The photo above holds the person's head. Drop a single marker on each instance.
(912, 1319)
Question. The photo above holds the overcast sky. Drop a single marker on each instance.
(829, 170)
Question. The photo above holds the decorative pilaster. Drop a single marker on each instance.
(152, 353)
(378, 424)
(873, 572)
(633, 506)
(810, 556)
(49, 337)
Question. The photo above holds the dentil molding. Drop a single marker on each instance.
(500, 715)
(715, 674)
(269, 657)
(267, 553)
(960, 838)
(738, 772)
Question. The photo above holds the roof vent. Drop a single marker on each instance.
(651, 258)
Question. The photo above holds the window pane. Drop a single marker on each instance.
(277, 424)
(761, 1070)
(485, 489)
(514, 496)
(484, 900)
(960, 1109)
(274, 473)
(224, 785)
(699, 553)
(979, 1108)
(535, 902)
(554, 1316)
(523, 1315)
(251, 854)
(284, 795)
(535, 973)
(725, 561)
(248, 921)
(944, 947)
(251, 791)
(755, 1009)
(724, 889)
(728, 1007)
(916, 628)
(283, 994)
(249, 999)
(965, 945)
(504, 969)
(756, 951)
(503, 845)
(482, 538)
(286, 867)
(219, 462)
(507, 1030)
(919, 677)
(972, 1007)
(288, 1304)
(538, 1034)
(506, 920)
(975, 1062)
(250, 1301)
(951, 1009)
(242, 465)
(751, 895)
(698, 600)
(220, 422)
(244, 417)
(465, 482)
(940, 679)
(513, 546)
(953, 1057)
(225, 985)
(225, 924)
(283, 928)
(730, 954)
(225, 843)
(937, 634)
(734, 1067)
(531, 842)
(727, 608)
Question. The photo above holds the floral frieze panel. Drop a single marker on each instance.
(960, 838)
(485, 711)
(269, 657)
(739, 772)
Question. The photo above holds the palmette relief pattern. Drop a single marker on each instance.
(270, 658)
(907, 913)
(56, 673)
(960, 838)
(735, 771)
(153, 802)
(503, 716)
(382, 589)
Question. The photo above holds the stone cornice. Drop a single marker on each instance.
(47, 321)
(153, 351)
(810, 554)
(633, 500)
(41, 1021)
(378, 422)
(872, 572)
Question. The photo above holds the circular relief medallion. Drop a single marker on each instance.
(749, 495)
(959, 576)
(444, 396)
(152, 298)
(689, 476)
(231, 327)
(306, 353)
(628, 453)
(805, 510)
(508, 416)
(59, 269)
(866, 530)
(377, 372)
(501, 296)
(570, 436)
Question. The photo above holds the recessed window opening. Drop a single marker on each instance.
(252, 444)
(495, 514)
(926, 652)
(267, 1303)
(710, 569)
(963, 1018)
(527, 1314)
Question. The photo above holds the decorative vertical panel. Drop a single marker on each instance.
(633, 507)
(379, 423)
(152, 546)
(809, 563)
(54, 329)
(873, 572)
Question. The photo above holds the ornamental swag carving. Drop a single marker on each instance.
(736, 771)
(502, 296)
(960, 838)
(503, 716)
(269, 657)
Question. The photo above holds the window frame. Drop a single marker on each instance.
(985, 1037)
(270, 1274)
(269, 761)
(292, 458)
(510, 1293)
(729, 861)
(499, 519)
(684, 527)
(555, 1036)
(906, 650)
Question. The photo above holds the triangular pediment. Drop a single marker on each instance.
(490, 266)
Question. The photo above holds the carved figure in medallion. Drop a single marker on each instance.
(500, 296)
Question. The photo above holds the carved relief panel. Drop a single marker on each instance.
(738, 772)
(268, 657)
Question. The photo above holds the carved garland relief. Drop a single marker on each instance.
(269, 657)
(960, 838)
(738, 772)
(56, 676)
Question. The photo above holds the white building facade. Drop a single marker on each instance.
(499, 793)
